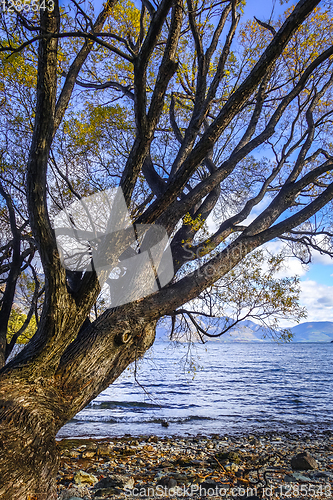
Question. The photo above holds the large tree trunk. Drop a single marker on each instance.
(29, 459)
(32, 410)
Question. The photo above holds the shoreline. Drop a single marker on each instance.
(301, 432)
(217, 466)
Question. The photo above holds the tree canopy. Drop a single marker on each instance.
(214, 130)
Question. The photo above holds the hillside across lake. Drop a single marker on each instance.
(248, 331)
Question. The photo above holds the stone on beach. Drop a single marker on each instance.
(168, 482)
(104, 450)
(74, 492)
(303, 461)
(115, 481)
(81, 477)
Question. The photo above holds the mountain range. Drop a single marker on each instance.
(248, 331)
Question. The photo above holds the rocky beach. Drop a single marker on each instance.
(256, 466)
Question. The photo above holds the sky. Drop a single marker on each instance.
(316, 285)
(262, 9)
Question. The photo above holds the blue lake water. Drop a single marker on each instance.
(237, 388)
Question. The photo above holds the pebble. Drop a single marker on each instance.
(300, 477)
(111, 468)
(81, 477)
(303, 461)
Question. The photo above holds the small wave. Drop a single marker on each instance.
(106, 420)
(110, 405)
(132, 420)
(177, 420)
(179, 392)
(199, 417)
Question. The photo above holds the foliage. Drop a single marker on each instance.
(16, 321)
(253, 289)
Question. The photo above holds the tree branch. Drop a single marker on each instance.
(106, 85)
(180, 208)
(234, 104)
(266, 26)
(14, 272)
(146, 123)
(31, 311)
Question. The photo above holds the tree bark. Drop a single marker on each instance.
(32, 410)
(29, 461)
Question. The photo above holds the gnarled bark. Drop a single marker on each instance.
(33, 410)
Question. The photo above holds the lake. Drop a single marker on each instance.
(216, 388)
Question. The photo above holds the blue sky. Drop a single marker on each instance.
(262, 8)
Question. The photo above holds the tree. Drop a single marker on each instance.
(165, 105)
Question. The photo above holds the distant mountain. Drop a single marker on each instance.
(245, 331)
(317, 331)
(248, 331)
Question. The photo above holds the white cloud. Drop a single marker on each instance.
(318, 300)
(211, 225)
(318, 258)
(292, 266)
